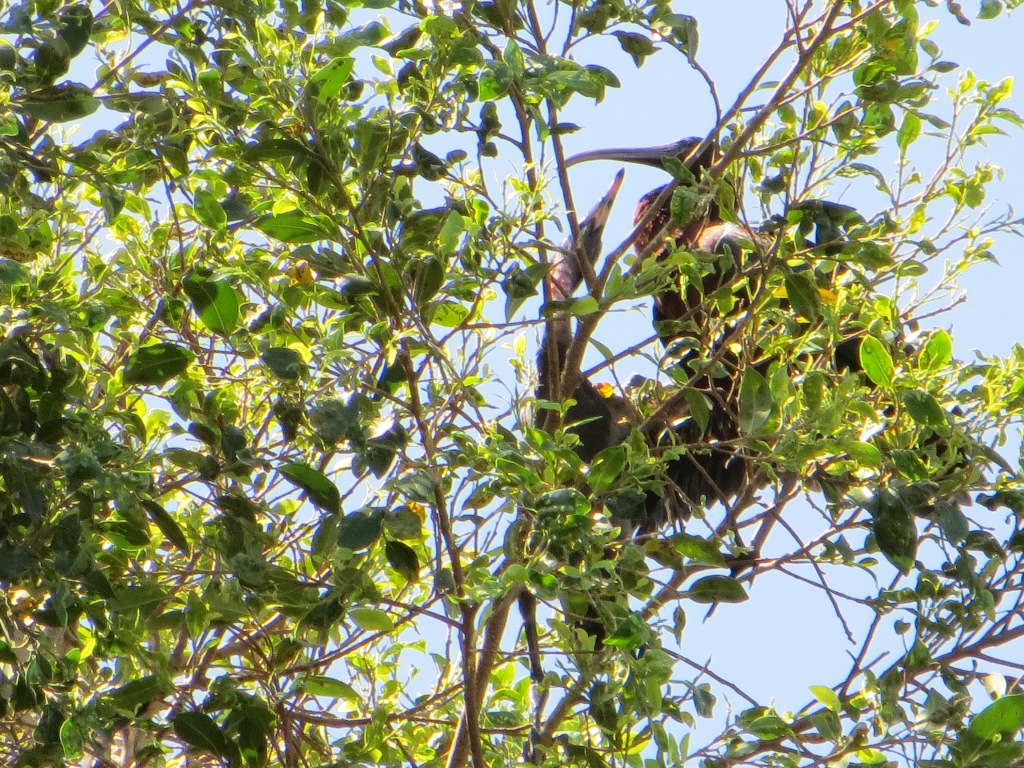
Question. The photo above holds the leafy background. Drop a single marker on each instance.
(270, 484)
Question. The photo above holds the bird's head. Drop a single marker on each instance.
(688, 150)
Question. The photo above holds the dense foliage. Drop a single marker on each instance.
(270, 491)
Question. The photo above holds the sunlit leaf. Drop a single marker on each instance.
(202, 733)
(59, 103)
(403, 559)
(372, 619)
(318, 487)
(360, 529)
(937, 351)
(756, 402)
(215, 301)
(717, 589)
(876, 362)
(1003, 717)
(284, 362)
(293, 227)
(156, 364)
(826, 696)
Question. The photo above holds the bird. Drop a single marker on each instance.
(712, 468)
(599, 418)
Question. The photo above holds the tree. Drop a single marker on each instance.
(270, 493)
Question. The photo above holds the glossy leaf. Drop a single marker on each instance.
(1003, 717)
(215, 301)
(372, 619)
(156, 364)
(293, 227)
(403, 559)
(59, 103)
(318, 487)
(717, 589)
(76, 27)
(756, 402)
(200, 732)
(876, 362)
(284, 362)
(360, 529)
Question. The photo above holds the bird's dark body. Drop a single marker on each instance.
(713, 468)
(597, 420)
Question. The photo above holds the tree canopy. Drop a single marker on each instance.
(274, 483)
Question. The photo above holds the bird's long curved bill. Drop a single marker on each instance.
(592, 227)
(652, 156)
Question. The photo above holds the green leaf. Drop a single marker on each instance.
(275, 149)
(76, 27)
(332, 78)
(284, 362)
(937, 351)
(627, 504)
(156, 364)
(336, 420)
(630, 634)
(990, 9)
(293, 227)
(803, 294)
(451, 231)
(403, 559)
(209, 210)
(756, 403)
(864, 454)
(1003, 717)
(827, 697)
(495, 80)
(367, 35)
(167, 525)
(360, 529)
(448, 314)
(895, 530)
(563, 502)
(133, 694)
(700, 406)
(606, 467)
(318, 487)
(215, 302)
(52, 59)
(403, 523)
(15, 563)
(827, 723)
(717, 589)
(876, 362)
(699, 551)
(8, 57)
(145, 599)
(354, 286)
(636, 45)
(908, 132)
(923, 408)
(428, 276)
(371, 619)
(318, 685)
(59, 103)
(201, 733)
(952, 521)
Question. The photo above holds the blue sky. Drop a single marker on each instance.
(787, 637)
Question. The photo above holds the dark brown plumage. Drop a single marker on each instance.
(713, 467)
(599, 421)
